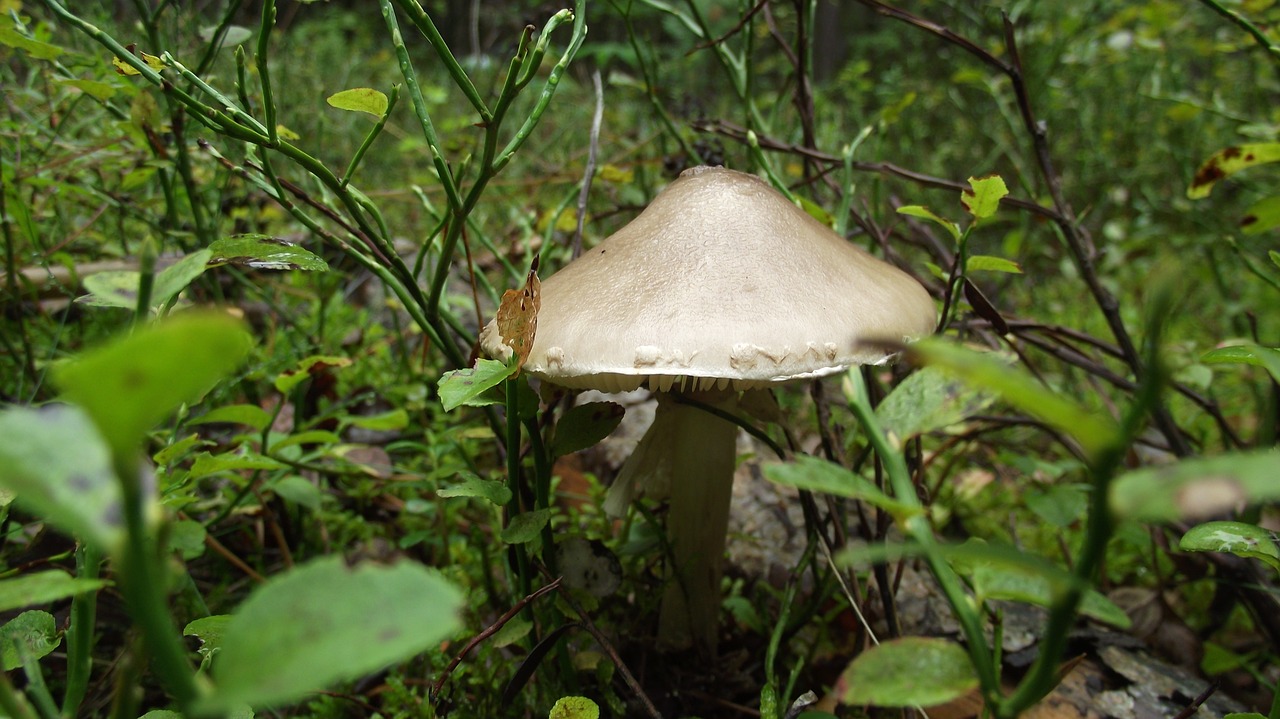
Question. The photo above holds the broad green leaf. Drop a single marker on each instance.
(1017, 581)
(1262, 216)
(209, 464)
(325, 622)
(987, 263)
(186, 537)
(27, 637)
(819, 475)
(1060, 505)
(489, 489)
(96, 89)
(912, 671)
(131, 384)
(263, 252)
(1229, 161)
(584, 425)
(926, 401)
(390, 420)
(210, 631)
(114, 288)
(574, 708)
(28, 590)
(1238, 538)
(465, 386)
(299, 491)
(311, 436)
(360, 99)
(1197, 488)
(10, 37)
(174, 279)
(250, 415)
(925, 213)
(234, 35)
(525, 527)
(512, 632)
(983, 199)
(58, 465)
(1015, 386)
(315, 364)
(1256, 355)
(179, 449)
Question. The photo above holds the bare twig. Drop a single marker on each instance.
(488, 632)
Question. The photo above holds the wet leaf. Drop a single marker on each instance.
(1229, 161)
(584, 425)
(1238, 538)
(525, 527)
(518, 316)
(912, 671)
(360, 99)
(263, 252)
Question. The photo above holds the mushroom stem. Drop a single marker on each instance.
(703, 454)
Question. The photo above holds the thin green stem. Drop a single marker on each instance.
(12, 701)
(392, 99)
(264, 72)
(423, 22)
(84, 609)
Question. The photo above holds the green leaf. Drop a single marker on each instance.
(28, 590)
(186, 537)
(1004, 574)
(987, 263)
(36, 49)
(983, 199)
(1197, 488)
(1275, 257)
(1256, 355)
(391, 420)
(263, 252)
(209, 464)
(306, 367)
(96, 89)
(1261, 216)
(299, 491)
(925, 213)
(525, 527)
(250, 415)
(176, 277)
(325, 622)
(57, 463)
(1229, 161)
(584, 425)
(29, 636)
(926, 401)
(464, 386)
(912, 671)
(819, 475)
(131, 384)
(360, 99)
(574, 708)
(1060, 505)
(311, 436)
(210, 631)
(1238, 538)
(1093, 431)
(489, 489)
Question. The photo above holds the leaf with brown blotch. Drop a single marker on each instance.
(518, 316)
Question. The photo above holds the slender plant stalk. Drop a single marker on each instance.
(84, 610)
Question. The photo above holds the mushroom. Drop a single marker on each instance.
(721, 286)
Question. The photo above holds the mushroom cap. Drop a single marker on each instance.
(721, 282)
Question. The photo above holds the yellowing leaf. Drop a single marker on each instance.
(287, 134)
(125, 68)
(360, 99)
(518, 316)
(1229, 161)
(617, 175)
(983, 199)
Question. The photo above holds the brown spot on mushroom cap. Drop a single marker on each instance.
(720, 282)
